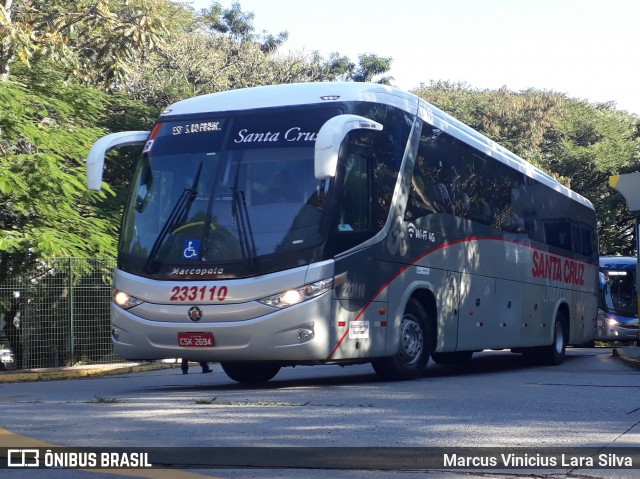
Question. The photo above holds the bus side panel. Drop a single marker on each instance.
(509, 313)
(539, 308)
(583, 318)
(360, 329)
(477, 318)
(542, 303)
(417, 280)
(359, 306)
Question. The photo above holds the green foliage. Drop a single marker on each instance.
(595, 141)
(95, 40)
(371, 66)
(219, 50)
(45, 209)
(237, 25)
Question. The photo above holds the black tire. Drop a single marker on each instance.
(454, 357)
(417, 337)
(251, 372)
(554, 353)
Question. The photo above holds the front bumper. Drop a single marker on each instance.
(299, 333)
(616, 328)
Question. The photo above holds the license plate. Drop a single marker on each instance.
(195, 340)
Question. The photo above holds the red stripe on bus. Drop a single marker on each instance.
(442, 246)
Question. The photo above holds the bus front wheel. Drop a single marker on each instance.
(415, 346)
(251, 372)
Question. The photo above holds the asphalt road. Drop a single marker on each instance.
(496, 401)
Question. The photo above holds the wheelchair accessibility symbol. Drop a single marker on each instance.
(191, 249)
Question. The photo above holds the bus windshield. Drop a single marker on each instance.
(618, 291)
(216, 191)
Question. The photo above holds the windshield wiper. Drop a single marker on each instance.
(177, 216)
(241, 217)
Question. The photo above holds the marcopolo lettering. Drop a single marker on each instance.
(197, 271)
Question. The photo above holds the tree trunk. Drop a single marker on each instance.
(6, 50)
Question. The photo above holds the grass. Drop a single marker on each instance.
(103, 400)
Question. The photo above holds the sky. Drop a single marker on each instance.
(586, 49)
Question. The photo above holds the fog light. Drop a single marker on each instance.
(115, 333)
(305, 335)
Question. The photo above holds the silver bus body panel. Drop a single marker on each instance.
(505, 307)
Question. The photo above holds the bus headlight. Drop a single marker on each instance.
(612, 322)
(295, 296)
(125, 300)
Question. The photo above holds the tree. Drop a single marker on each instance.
(46, 210)
(219, 50)
(590, 143)
(94, 39)
(369, 67)
(238, 26)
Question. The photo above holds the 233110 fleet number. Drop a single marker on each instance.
(203, 293)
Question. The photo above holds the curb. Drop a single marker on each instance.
(53, 374)
(626, 358)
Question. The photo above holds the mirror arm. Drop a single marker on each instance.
(330, 138)
(95, 159)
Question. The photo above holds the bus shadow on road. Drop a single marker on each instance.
(489, 362)
(486, 362)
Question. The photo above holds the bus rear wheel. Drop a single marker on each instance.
(554, 353)
(414, 349)
(250, 372)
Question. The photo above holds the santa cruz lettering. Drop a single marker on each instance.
(294, 134)
(555, 268)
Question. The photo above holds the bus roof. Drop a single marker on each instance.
(293, 94)
(618, 262)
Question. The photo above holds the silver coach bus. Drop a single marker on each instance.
(342, 223)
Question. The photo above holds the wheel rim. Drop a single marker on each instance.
(411, 341)
(559, 338)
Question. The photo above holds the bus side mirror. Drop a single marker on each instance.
(95, 159)
(329, 139)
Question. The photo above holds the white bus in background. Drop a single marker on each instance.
(338, 223)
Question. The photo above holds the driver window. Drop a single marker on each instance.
(355, 211)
